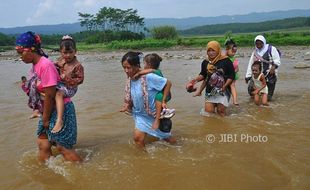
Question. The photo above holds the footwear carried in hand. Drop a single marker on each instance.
(167, 113)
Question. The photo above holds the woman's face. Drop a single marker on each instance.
(259, 44)
(129, 69)
(211, 53)
(25, 55)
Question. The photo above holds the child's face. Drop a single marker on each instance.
(68, 54)
(255, 70)
(147, 65)
(231, 51)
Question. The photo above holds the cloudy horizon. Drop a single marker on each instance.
(48, 12)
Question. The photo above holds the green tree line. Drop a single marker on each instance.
(166, 36)
(248, 27)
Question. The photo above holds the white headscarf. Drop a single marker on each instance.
(263, 50)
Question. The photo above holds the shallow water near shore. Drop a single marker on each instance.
(252, 148)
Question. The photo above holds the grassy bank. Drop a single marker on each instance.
(297, 37)
(288, 38)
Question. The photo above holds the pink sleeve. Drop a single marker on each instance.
(49, 76)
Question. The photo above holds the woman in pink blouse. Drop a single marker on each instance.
(45, 76)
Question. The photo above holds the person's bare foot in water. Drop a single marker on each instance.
(35, 114)
(171, 140)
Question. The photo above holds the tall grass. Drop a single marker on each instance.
(286, 38)
(275, 38)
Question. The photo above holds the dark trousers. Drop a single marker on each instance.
(271, 87)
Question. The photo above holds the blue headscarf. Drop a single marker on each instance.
(30, 40)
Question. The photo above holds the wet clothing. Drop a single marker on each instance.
(67, 136)
(213, 94)
(258, 84)
(143, 91)
(268, 58)
(218, 97)
(159, 95)
(48, 77)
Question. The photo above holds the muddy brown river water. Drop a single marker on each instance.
(263, 147)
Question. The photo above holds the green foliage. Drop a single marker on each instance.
(108, 36)
(114, 19)
(6, 40)
(248, 27)
(142, 44)
(51, 39)
(164, 32)
(299, 36)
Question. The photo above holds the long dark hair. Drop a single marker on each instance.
(133, 58)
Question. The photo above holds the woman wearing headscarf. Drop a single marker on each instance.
(142, 92)
(44, 77)
(217, 73)
(270, 58)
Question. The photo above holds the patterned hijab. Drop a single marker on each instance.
(217, 48)
(30, 40)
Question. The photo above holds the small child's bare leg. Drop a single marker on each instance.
(256, 99)
(35, 114)
(265, 99)
(60, 107)
(157, 117)
(234, 92)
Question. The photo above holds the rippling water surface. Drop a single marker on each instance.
(264, 148)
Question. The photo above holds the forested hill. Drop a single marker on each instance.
(187, 23)
(179, 23)
(248, 27)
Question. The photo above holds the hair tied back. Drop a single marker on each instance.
(66, 37)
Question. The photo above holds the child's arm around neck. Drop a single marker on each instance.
(143, 72)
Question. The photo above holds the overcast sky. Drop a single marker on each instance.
(36, 12)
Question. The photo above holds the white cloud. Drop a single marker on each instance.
(81, 4)
(42, 9)
(53, 12)
(34, 12)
